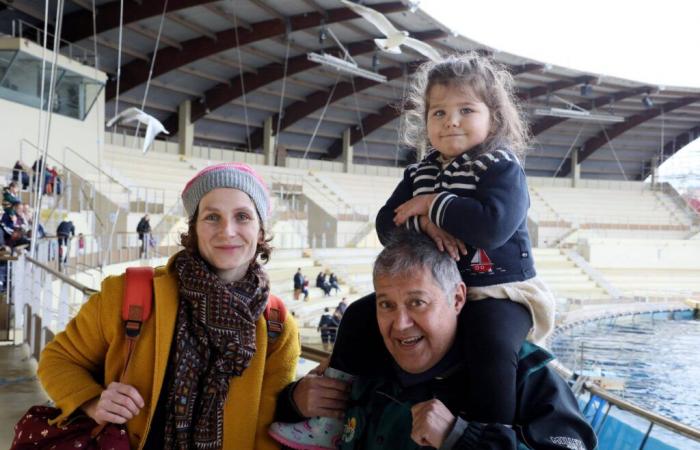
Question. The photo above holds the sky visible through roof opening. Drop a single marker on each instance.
(649, 41)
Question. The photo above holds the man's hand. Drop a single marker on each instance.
(444, 240)
(432, 422)
(316, 395)
(117, 404)
(417, 206)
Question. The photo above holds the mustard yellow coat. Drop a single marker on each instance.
(77, 365)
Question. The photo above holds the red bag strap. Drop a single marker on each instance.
(136, 309)
(275, 314)
(136, 305)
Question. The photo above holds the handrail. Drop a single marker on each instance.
(650, 416)
(111, 178)
(66, 279)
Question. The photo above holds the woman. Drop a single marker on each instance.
(205, 372)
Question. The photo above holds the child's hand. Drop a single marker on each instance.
(444, 240)
(417, 206)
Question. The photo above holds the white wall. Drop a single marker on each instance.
(641, 253)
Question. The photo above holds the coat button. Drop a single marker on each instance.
(524, 254)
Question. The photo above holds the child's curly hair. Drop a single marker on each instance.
(490, 82)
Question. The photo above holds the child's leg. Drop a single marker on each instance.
(492, 332)
(359, 350)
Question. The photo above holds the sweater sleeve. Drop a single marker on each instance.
(385, 216)
(68, 365)
(494, 212)
(280, 371)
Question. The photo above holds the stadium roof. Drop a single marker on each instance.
(618, 127)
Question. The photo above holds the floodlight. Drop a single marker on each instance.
(578, 114)
(343, 65)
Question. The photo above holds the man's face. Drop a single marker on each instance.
(417, 319)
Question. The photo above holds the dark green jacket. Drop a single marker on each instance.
(547, 415)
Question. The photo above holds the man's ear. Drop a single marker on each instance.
(460, 296)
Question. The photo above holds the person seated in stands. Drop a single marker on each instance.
(14, 233)
(323, 284)
(328, 326)
(333, 281)
(413, 392)
(299, 286)
(10, 195)
(20, 174)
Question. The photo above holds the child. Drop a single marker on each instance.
(469, 194)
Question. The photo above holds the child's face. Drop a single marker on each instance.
(457, 120)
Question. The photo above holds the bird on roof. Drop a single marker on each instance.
(394, 38)
(153, 126)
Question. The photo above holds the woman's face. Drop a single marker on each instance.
(228, 231)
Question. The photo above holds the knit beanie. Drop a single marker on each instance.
(227, 175)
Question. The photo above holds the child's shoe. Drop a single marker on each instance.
(317, 433)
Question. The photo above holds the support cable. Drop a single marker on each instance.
(320, 119)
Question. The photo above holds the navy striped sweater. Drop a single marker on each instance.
(482, 201)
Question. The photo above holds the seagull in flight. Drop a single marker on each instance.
(394, 37)
(153, 126)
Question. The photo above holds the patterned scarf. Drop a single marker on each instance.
(214, 341)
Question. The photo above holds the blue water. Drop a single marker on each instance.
(657, 356)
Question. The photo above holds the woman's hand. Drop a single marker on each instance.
(117, 404)
(316, 395)
(444, 240)
(432, 422)
(417, 206)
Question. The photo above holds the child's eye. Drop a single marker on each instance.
(466, 110)
(439, 113)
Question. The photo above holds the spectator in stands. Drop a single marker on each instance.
(65, 232)
(144, 230)
(323, 284)
(54, 185)
(14, 232)
(342, 306)
(227, 367)
(300, 287)
(328, 326)
(333, 282)
(39, 168)
(411, 391)
(20, 174)
(10, 195)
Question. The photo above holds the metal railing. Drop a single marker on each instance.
(25, 30)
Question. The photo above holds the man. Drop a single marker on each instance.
(144, 230)
(328, 326)
(299, 285)
(421, 398)
(65, 231)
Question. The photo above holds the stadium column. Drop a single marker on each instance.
(268, 142)
(347, 151)
(186, 128)
(575, 169)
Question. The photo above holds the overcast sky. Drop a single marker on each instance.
(650, 41)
